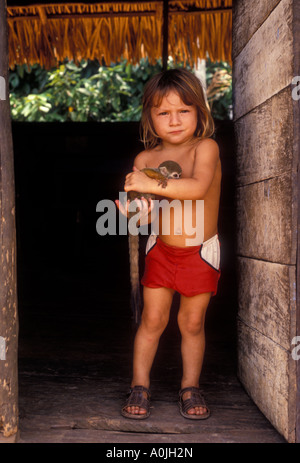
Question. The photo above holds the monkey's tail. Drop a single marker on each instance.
(136, 300)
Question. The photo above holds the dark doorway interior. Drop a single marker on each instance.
(76, 333)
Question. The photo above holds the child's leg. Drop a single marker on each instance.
(155, 317)
(191, 318)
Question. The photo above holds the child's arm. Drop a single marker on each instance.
(196, 187)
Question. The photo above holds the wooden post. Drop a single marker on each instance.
(296, 119)
(8, 285)
(165, 34)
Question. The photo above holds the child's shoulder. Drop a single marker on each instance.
(207, 143)
(208, 146)
(142, 159)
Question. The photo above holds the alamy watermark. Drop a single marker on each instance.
(296, 89)
(2, 88)
(296, 350)
(296, 97)
(2, 348)
(186, 213)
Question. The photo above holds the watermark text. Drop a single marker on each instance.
(188, 218)
(296, 350)
(296, 89)
(2, 88)
(2, 348)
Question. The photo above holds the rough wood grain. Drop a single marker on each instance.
(265, 221)
(95, 436)
(256, 72)
(264, 371)
(264, 140)
(267, 134)
(252, 17)
(265, 303)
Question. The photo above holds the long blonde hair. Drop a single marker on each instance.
(189, 89)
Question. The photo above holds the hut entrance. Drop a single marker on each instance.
(75, 340)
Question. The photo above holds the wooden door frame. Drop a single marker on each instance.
(8, 287)
(296, 130)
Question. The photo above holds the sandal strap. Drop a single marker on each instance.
(136, 398)
(139, 389)
(196, 399)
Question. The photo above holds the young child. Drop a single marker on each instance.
(177, 125)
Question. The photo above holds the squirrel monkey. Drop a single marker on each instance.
(165, 171)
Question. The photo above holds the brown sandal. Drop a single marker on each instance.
(136, 399)
(196, 400)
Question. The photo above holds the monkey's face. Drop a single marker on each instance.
(170, 169)
(174, 175)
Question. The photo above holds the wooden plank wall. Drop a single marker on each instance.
(266, 195)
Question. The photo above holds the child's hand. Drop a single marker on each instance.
(145, 208)
(142, 205)
(123, 208)
(138, 181)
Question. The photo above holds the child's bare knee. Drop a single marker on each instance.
(190, 325)
(154, 322)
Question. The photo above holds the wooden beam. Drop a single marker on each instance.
(124, 14)
(8, 284)
(196, 11)
(165, 34)
(129, 2)
(112, 15)
(22, 3)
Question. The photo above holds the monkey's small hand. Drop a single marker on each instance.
(163, 182)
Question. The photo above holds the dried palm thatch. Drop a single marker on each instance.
(49, 33)
(200, 27)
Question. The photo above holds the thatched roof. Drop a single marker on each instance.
(108, 31)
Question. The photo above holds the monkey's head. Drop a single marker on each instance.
(170, 169)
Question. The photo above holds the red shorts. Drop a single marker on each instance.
(188, 270)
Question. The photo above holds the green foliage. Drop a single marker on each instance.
(79, 93)
(83, 93)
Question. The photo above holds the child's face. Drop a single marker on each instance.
(174, 121)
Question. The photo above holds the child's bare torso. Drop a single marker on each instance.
(185, 157)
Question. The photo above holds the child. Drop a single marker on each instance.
(177, 124)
